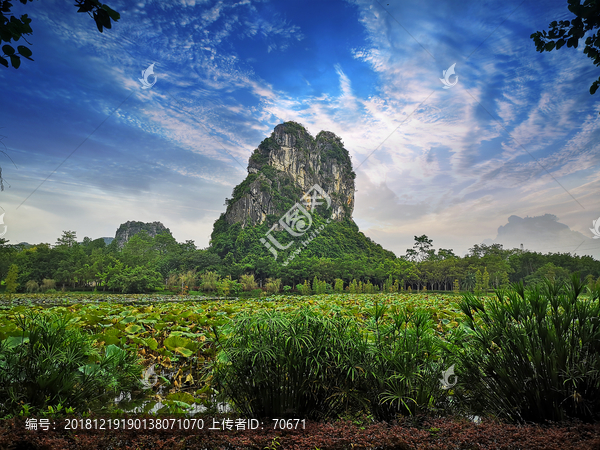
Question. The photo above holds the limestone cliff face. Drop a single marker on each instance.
(288, 164)
(129, 229)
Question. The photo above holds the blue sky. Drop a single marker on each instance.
(518, 134)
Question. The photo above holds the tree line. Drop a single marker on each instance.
(147, 264)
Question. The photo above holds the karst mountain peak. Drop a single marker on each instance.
(284, 167)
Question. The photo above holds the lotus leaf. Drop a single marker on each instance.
(134, 329)
(128, 319)
(151, 343)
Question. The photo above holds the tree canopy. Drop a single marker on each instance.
(569, 32)
(13, 28)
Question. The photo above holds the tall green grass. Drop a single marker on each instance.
(280, 365)
(53, 362)
(305, 364)
(532, 354)
(525, 355)
(404, 363)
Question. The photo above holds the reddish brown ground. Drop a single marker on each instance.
(429, 435)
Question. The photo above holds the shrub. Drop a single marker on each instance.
(304, 288)
(172, 283)
(455, 287)
(48, 284)
(352, 287)
(547, 271)
(387, 284)
(32, 286)
(318, 286)
(53, 363)
(11, 279)
(273, 285)
(248, 282)
(135, 280)
(223, 286)
(185, 280)
(209, 281)
(256, 293)
(532, 354)
(235, 288)
(339, 285)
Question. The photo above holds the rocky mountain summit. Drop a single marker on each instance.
(129, 229)
(285, 167)
(294, 206)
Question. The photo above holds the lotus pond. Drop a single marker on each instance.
(174, 336)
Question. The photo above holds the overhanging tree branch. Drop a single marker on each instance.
(13, 28)
(570, 32)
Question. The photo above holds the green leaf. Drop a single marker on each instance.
(173, 342)
(136, 340)
(24, 51)
(15, 60)
(109, 339)
(13, 341)
(152, 343)
(134, 329)
(8, 50)
(148, 407)
(89, 369)
(113, 351)
(179, 404)
(549, 46)
(111, 12)
(23, 25)
(560, 43)
(184, 333)
(104, 18)
(3, 61)
(184, 351)
(98, 22)
(181, 397)
(165, 352)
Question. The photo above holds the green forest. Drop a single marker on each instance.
(160, 263)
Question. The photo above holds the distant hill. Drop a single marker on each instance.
(129, 229)
(544, 234)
